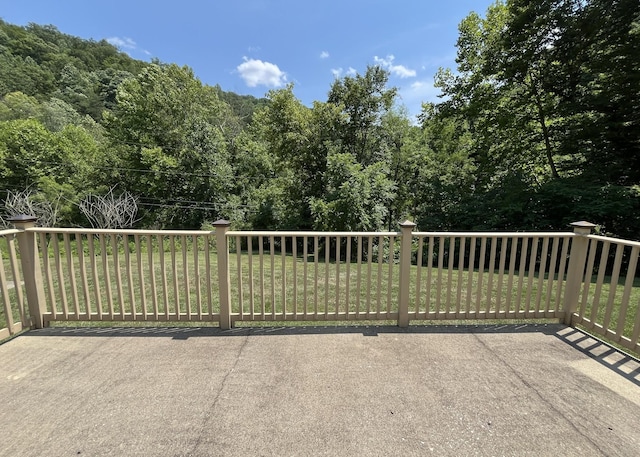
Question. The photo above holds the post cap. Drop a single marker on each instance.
(582, 227)
(22, 218)
(221, 223)
(407, 223)
(582, 224)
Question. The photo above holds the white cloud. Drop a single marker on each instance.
(417, 85)
(337, 72)
(256, 72)
(123, 43)
(398, 70)
(324, 55)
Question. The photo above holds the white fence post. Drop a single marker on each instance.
(575, 271)
(405, 272)
(31, 273)
(222, 248)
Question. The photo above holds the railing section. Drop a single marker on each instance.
(488, 276)
(14, 314)
(280, 276)
(138, 275)
(49, 274)
(609, 297)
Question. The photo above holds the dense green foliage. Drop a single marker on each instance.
(539, 125)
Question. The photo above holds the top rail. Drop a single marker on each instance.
(9, 232)
(614, 240)
(120, 231)
(497, 234)
(307, 233)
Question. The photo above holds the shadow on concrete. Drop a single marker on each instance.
(618, 361)
(621, 363)
(181, 333)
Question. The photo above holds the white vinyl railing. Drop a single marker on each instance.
(230, 276)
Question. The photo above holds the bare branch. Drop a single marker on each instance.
(23, 202)
(110, 211)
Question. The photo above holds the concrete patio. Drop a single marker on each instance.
(379, 391)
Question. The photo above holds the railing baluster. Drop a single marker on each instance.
(196, 274)
(129, 268)
(283, 267)
(174, 277)
(553, 273)
(561, 272)
(118, 274)
(602, 267)
(239, 270)
(512, 268)
(152, 276)
(337, 307)
(359, 276)
(440, 268)
(83, 274)
(72, 275)
(452, 254)
(504, 242)
(541, 272)
(327, 248)
(305, 275)
(316, 243)
(294, 256)
(492, 268)
(48, 275)
(369, 272)
(61, 282)
(141, 279)
(209, 273)
(461, 252)
(418, 277)
(348, 277)
(94, 273)
(391, 260)
(250, 268)
(17, 281)
(272, 256)
(6, 301)
(613, 285)
(470, 271)
(379, 278)
(523, 263)
(481, 260)
(185, 279)
(531, 274)
(261, 257)
(429, 276)
(163, 276)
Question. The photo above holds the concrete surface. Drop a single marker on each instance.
(362, 391)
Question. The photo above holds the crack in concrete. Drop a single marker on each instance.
(212, 407)
(538, 394)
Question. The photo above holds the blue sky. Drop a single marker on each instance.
(251, 46)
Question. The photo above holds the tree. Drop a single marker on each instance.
(169, 131)
(357, 197)
(364, 100)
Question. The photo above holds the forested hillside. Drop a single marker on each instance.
(538, 126)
